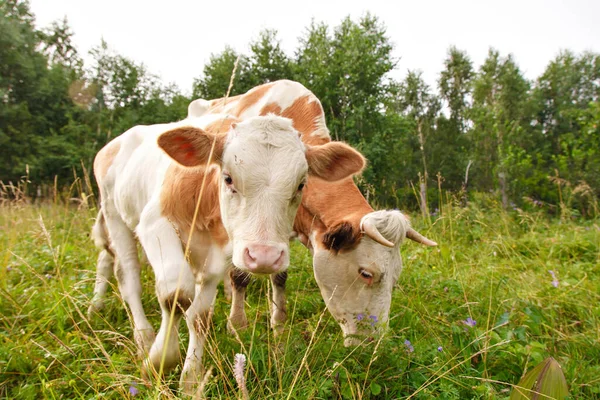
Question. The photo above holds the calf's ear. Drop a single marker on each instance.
(192, 147)
(334, 161)
(343, 236)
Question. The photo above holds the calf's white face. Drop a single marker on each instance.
(357, 284)
(264, 169)
(264, 166)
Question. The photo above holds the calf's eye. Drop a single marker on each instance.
(228, 180)
(300, 187)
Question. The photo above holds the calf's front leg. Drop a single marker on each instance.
(237, 315)
(278, 306)
(175, 287)
(198, 317)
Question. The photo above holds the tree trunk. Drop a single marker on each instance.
(423, 179)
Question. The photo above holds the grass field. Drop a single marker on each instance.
(468, 319)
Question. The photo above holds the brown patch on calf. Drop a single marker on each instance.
(280, 278)
(104, 159)
(250, 98)
(239, 278)
(180, 191)
(181, 303)
(308, 118)
(221, 126)
(218, 105)
(271, 108)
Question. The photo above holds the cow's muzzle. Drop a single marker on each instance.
(264, 259)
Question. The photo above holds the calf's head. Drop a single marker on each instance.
(264, 167)
(357, 282)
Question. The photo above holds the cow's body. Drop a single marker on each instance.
(356, 257)
(223, 189)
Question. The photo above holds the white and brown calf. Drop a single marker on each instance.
(356, 250)
(224, 189)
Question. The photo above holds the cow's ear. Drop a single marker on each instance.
(334, 161)
(192, 147)
(343, 236)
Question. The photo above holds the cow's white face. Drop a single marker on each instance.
(357, 284)
(264, 169)
(264, 166)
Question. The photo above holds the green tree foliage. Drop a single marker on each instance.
(498, 113)
(54, 114)
(421, 107)
(562, 99)
(348, 70)
(268, 61)
(216, 76)
(450, 152)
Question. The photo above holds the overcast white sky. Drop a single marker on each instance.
(175, 38)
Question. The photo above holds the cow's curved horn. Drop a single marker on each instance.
(417, 237)
(371, 230)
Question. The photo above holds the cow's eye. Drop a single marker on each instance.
(300, 187)
(366, 275)
(228, 180)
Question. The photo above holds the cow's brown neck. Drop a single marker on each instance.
(332, 211)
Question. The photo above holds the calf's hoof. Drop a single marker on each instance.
(144, 339)
(237, 323)
(95, 308)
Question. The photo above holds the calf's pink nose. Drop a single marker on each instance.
(263, 259)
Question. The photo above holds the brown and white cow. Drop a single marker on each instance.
(224, 188)
(356, 256)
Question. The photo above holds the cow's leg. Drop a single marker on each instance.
(237, 315)
(278, 306)
(198, 317)
(227, 286)
(127, 270)
(104, 272)
(174, 286)
(104, 266)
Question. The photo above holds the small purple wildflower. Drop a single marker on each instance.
(554, 279)
(374, 319)
(8, 269)
(440, 349)
(133, 390)
(470, 322)
(360, 317)
(409, 346)
(48, 276)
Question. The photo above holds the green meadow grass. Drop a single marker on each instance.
(491, 266)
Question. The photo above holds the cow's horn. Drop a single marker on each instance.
(417, 237)
(371, 230)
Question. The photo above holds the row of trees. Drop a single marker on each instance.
(485, 129)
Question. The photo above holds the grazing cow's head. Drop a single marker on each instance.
(264, 167)
(356, 277)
